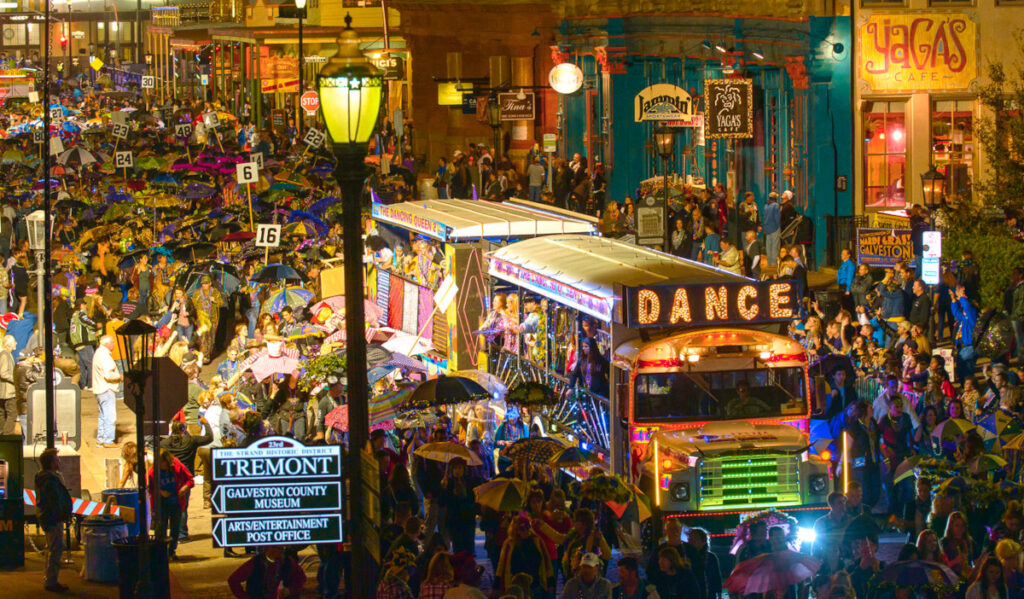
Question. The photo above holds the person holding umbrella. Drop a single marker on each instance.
(207, 302)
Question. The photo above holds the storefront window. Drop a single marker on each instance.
(14, 35)
(885, 155)
(953, 144)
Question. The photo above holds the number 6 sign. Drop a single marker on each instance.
(247, 172)
(268, 236)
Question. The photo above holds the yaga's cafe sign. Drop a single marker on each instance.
(665, 102)
(918, 52)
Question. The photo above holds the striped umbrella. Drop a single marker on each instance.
(637, 509)
(446, 451)
(502, 494)
(294, 297)
(534, 449)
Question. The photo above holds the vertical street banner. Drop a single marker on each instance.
(277, 491)
(729, 108)
(884, 247)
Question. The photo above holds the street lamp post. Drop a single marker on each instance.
(932, 182)
(301, 6)
(39, 242)
(494, 119)
(665, 142)
(350, 96)
(135, 341)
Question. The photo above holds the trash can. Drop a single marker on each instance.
(98, 536)
(128, 498)
(128, 562)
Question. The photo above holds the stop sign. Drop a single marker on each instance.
(310, 102)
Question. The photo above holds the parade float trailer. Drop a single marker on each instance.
(448, 239)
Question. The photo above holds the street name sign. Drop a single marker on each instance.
(294, 497)
(280, 530)
(276, 491)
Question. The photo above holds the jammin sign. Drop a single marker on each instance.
(663, 102)
(918, 52)
(397, 216)
(674, 305)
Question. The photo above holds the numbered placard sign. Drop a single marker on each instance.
(268, 236)
(211, 119)
(183, 130)
(119, 118)
(56, 114)
(148, 82)
(37, 136)
(56, 146)
(124, 159)
(247, 172)
(314, 138)
(121, 131)
(257, 157)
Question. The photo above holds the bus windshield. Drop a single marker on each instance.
(731, 395)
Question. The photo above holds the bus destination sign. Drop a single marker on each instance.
(711, 304)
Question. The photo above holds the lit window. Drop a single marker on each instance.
(953, 145)
(885, 155)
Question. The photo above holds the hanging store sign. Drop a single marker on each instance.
(729, 108)
(918, 52)
(295, 489)
(450, 93)
(516, 108)
(392, 67)
(931, 259)
(269, 86)
(663, 102)
(884, 247)
(565, 78)
(699, 304)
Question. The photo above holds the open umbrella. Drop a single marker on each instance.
(293, 297)
(950, 429)
(273, 273)
(338, 420)
(446, 451)
(997, 429)
(906, 468)
(224, 276)
(194, 251)
(445, 390)
(637, 509)
(502, 494)
(988, 462)
(299, 229)
(534, 449)
(77, 156)
(486, 380)
(769, 572)
(531, 393)
(238, 236)
(572, 456)
(919, 574)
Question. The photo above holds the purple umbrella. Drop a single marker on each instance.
(198, 190)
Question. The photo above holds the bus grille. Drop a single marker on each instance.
(756, 481)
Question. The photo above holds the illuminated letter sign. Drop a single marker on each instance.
(768, 301)
(918, 52)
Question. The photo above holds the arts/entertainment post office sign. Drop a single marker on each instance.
(918, 52)
(665, 103)
(277, 491)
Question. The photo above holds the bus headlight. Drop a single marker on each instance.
(818, 484)
(806, 535)
(680, 491)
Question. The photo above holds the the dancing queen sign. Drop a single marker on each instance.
(663, 102)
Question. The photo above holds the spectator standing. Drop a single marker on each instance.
(847, 271)
(175, 483)
(53, 509)
(588, 583)
(262, 576)
(535, 179)
(966, 317)
(630, 585)
(106, 382)
(8, 394)
(772, 227)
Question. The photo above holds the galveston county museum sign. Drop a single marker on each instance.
(276, 491)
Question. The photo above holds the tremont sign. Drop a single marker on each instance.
(276, 491)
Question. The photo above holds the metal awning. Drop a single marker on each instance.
(468, 220)
(583, 271)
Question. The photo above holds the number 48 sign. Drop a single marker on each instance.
(268, 236)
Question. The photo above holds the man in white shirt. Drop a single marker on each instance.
(106, 381)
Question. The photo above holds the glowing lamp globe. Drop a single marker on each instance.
(565, 78)
(350, 91)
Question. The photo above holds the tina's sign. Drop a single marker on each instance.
(664, 102)
(517, 106)
(918, 52)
